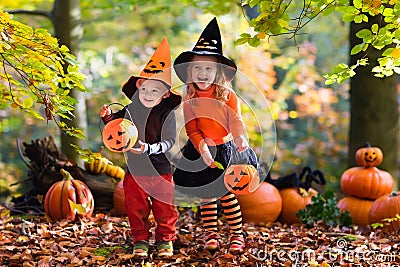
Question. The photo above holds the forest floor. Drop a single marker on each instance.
(104, 241)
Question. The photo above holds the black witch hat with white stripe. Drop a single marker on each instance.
(209, 44)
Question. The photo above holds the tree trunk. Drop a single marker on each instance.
(66, 18)
(44, 162)
(374, 114)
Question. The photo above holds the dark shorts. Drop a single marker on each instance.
(193, 177)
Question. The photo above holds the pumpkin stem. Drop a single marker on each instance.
(367, 144)
(66, 175)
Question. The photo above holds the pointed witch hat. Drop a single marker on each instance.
(209, 44)
(158, 68)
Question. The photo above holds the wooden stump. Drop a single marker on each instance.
(44, 162)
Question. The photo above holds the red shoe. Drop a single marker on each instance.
(211, 242)
(237, 244)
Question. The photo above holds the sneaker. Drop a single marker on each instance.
(236, 244)
(211, 242)
(165, 249)
(141, 249)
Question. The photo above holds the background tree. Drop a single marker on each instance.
(375, 34)
(119, 36)
(65, 17)
(373, 102)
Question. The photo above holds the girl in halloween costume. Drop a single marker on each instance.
(215, 129)
(149, 172)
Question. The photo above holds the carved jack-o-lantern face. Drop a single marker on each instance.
(119, 135)
(369, 156)
(154, 67)
(241, 179)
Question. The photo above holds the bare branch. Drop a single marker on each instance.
(42, 13)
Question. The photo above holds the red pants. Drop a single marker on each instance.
(150, 193)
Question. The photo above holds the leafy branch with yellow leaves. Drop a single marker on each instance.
(36, 70)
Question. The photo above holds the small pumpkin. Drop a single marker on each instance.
(119, 135)
(115, 171)
(369, 156)
(96, 165)
(262, 206)
(359, 209)
(241, 178)
(68, 199)
(386, 207)
(293, 200)
(119, 198)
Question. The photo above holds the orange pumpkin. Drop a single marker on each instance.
(366, 182)
(241, 179)
(68, 199)
(119, 198)
(263, 206)
(358, 208)
(293, 200)
(386, 207)
(119, 135)
(369, 156)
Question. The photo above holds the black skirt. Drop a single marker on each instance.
(194, 178)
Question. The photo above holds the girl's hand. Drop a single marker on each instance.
(140, 149)
(105, 110)
(241, 143)
(208, 159)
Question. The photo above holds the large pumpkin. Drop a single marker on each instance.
(293, 200)
(68, 199)
(358, 208)
(386, 207)
(366, 182)
(119, 198)
(119, 135)
(241, 179)
(263, 206)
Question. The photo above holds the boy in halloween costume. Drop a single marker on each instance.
(215, 129)
(149, 172)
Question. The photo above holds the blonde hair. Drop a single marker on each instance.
(222, 86)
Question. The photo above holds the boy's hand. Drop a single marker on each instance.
(140, 149)
(105, 110)
(241, 143)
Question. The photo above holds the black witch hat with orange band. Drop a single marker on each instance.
(158, 68)
(209, 44)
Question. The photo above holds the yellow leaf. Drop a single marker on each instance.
(261, 35)
(396, 53)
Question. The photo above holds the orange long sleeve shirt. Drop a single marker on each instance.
(208, 121)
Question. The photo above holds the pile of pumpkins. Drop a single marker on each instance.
(100, 165)
(273, 201)
(369, 190)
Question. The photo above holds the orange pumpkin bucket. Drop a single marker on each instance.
(242, 174)
(120, 135)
